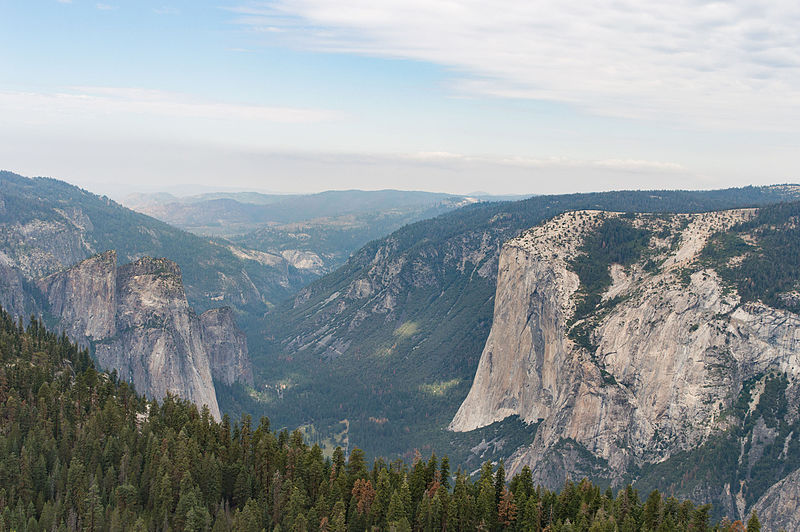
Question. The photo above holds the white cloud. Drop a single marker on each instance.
(166, 10)
(697, 62)
(113, 101)
(104, 7)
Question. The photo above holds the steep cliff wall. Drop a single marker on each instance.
(84, 297)
(779, 508)
(665, 358)
(226, 346)
(158, 345)
(139, 322)
(15, 295)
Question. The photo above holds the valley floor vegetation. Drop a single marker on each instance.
(80, 450)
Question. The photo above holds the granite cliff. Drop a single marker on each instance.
(226, 346)
(138, 321)
(667, 360)
(417, 303)
(779, 506)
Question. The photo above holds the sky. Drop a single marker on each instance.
(504, 97)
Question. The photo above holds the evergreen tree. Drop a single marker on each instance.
(753, 524)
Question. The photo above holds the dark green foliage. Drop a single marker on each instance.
(753, 524)
(722, 247)
(769, 269)
(615, 241)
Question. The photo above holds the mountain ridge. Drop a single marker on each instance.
(48, 225)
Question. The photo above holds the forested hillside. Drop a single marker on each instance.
(48, 225)
(761, 257)
(80, 450)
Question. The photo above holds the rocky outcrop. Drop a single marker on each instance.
(15, 297)
(670, 351)
(139, 323)
(779, 508)
(158, 346)
(518, 372)
(84, 297)
(226, 346)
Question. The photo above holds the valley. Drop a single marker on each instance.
(442, 266)
(566, 336)
(315, 233)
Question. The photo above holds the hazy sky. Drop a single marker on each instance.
(504, 96)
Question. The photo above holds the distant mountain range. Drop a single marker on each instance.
(314, 232)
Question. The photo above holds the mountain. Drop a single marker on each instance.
(47, 225)
(663, 349)
(381, 352)
(315, 232)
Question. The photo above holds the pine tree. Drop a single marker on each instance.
(652, 511)
(397, 508)
(753, 524)
(338, 523)
(499, 482)
(487, 507)
(506, 509)
(93, 518)
(383, 495)
(700, 518)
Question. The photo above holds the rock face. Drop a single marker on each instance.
(226, 346)
(779, 508)
(140, 324)
(14, 292)
(84, 297)
(670, 353)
